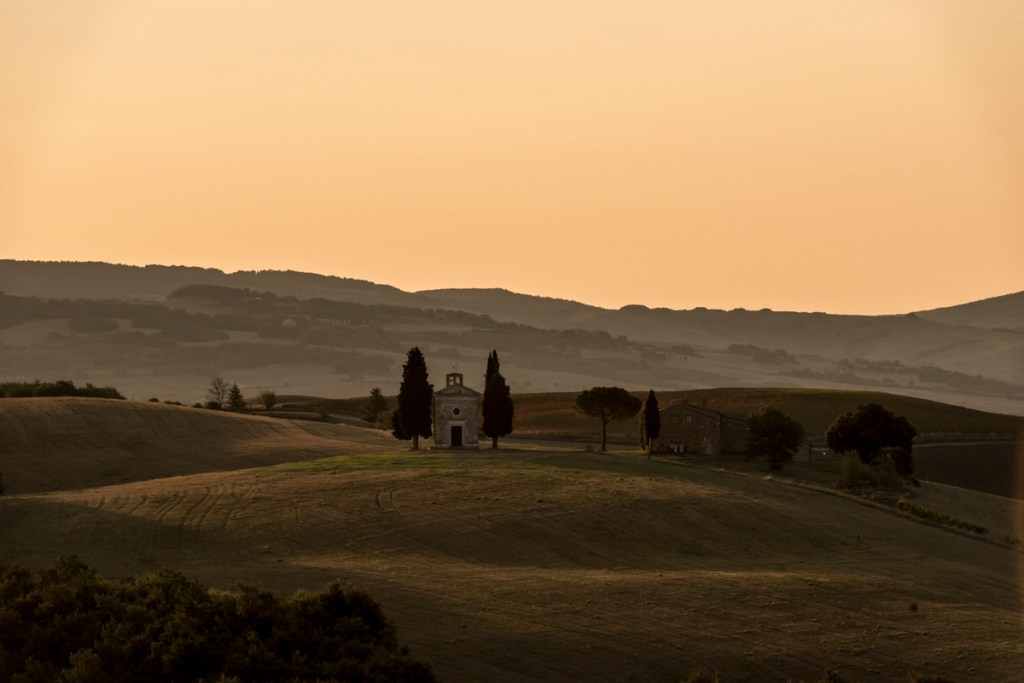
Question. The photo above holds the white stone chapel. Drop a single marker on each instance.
(455, 410)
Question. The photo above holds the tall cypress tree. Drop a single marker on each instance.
(498, 408)
(650, 423)
(396, 428)
(414, 398)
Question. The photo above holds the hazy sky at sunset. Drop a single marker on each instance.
(861, 157)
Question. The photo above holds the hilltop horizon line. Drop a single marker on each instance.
(636, 306)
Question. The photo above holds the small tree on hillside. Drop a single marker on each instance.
(650, 423)
(498, 408)
(773, 435)
(217, 393)
(375, 405)
(869, 429)
(268, 399)
(414, 398)
(236, 402)
(607, 404)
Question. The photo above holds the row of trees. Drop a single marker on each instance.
(870, 430)
(413, 418)
(222, 395)
(62, 387)
(772, 434)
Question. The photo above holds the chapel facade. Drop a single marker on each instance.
(455, 414)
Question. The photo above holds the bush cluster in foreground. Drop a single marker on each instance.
(830, 676)
(65, 624)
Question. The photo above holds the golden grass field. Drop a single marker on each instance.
(522, 564)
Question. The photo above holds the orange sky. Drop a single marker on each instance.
(859, 157)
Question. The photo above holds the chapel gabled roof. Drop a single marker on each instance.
(455, 387)
(457, 390)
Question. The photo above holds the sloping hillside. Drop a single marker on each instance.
(49, 444)
(533, 566)
(1000, 312)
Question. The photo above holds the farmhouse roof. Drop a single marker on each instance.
(683, 405)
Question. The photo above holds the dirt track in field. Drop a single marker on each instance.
(526, 565)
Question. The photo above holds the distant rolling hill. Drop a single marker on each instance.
(998, 313)
(97, 280)
(53, 444)
(288, 330)
(911, 339)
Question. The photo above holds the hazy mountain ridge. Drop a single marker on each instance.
(98, 280)
(546, 343)
(1001, 312)
(993, 348)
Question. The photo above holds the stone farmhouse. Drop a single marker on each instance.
(687, 428)
(455, 412)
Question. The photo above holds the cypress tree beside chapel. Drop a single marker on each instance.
(414, 399)
(498, 408)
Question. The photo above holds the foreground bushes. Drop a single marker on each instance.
(65, 624)
(830, 676)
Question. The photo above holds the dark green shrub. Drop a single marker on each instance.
(65, 624)
(939, 518)
(855, 474)
(901, 459)
(832, 676)
(701, 675)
